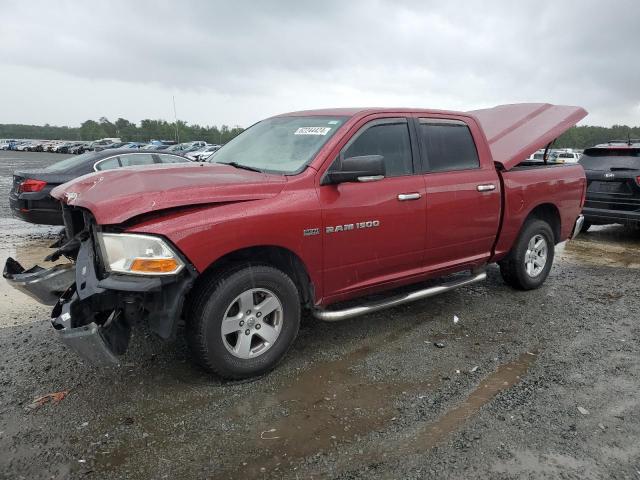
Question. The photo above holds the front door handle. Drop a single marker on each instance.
(486, 187)
(403, 197)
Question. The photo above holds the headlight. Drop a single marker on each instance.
(138, 254)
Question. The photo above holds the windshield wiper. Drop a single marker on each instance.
(239, 165)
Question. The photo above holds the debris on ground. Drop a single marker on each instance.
(262, 437)
(583, 411)
(439, 344)
(55, 398)
(455, 319)
(473, 370)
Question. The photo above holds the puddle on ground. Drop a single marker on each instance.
(613, 246)
(328, 405)
(323, 406)
(504, 377)
(430, 434)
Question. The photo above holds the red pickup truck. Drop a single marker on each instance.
(306, 210)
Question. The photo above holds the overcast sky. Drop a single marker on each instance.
(236, 62)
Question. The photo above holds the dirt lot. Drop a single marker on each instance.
(541, 384)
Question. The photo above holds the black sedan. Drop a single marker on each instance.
(30, 198)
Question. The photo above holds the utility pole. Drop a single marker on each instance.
(175, 119)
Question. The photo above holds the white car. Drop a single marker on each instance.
(567, 157)
(23, 147)
(539, 156)
(203, 153)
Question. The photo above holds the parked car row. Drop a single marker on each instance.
(198, 150)
(564, 155)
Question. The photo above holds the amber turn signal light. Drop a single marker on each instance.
(154, 265)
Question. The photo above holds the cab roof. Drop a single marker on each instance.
(513, 131)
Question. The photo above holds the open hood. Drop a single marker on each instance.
(114, 196)
(516, 131)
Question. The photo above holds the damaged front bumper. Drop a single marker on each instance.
(96, 343)
(45, 286)
(93, 314)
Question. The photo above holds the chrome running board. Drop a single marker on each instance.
(337, 315)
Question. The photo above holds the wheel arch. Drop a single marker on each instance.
(279, 257)
(547, 212)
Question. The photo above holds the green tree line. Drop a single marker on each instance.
(124, 129)
(576, 137)
(587, 136)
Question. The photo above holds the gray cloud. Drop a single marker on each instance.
(238, 61)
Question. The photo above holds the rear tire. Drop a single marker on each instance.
(242, 322)
(529, 262)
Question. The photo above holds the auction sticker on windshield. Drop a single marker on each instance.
(312, 131)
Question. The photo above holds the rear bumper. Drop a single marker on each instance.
(22, 209)
(41, 217)
(577, 228)
(605, 216)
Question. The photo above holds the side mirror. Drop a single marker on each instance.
(367, 168)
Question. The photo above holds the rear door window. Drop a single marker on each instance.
(166, 158)
(447, 145)
(108, 164)
(137, 159)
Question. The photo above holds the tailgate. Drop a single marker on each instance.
(623, 184)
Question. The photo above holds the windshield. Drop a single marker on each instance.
(70, 163)
(611, 159)
(281, 144)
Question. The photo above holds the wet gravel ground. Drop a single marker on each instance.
(540, 384)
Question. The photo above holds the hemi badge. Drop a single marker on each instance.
(311, 231)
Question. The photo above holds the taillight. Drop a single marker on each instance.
(638, 179)
(31, 185)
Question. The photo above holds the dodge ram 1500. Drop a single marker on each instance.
(306, 210)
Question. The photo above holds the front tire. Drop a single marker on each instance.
(241, 323)
(529, 262)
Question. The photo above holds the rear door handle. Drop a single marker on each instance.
(403, 197)
(486, 187)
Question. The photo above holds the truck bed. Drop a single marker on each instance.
(558, 189)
